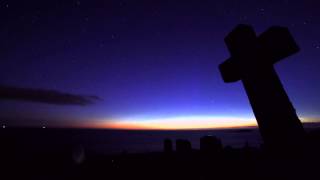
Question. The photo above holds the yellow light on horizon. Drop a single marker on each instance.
(179, 123)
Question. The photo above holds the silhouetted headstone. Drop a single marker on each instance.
(251, 61)
(167, 146)
(210, 144)
(183, 146)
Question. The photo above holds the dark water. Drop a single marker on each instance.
(118, 141)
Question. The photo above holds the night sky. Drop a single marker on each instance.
(144, 64)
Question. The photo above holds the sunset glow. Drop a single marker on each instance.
(179, 123)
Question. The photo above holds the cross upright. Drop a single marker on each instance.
(252, 59)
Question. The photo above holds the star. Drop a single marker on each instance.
(243, 18)
(123, 19)
(155, 13)
(34, 19)
(83, 29)
(262, 11)
(101, 45)
(316, 46)
(73, 61)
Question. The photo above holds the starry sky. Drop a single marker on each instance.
(144, 64)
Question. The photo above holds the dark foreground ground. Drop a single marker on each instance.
(18, 161)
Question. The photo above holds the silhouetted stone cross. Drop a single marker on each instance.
(251, 61)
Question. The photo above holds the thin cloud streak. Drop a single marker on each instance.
(45, 96)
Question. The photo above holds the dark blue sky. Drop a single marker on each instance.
(145, 60)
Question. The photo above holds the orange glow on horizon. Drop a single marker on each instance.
(178, 123)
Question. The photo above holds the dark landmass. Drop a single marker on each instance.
(59, 155)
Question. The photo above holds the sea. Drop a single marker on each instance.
(108, 142)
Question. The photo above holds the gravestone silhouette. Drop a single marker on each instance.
(252, 59)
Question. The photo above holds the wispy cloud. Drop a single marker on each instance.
(45, 96)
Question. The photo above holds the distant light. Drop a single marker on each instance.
(43, 127)
(3, 126)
